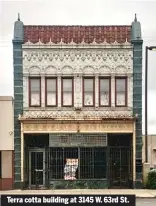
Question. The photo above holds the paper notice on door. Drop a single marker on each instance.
(70, 169)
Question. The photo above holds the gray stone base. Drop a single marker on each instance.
(18, 185)
(79, 184)
(138, 184)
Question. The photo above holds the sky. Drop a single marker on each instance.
(79, 12)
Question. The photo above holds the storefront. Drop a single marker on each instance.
(78, 154)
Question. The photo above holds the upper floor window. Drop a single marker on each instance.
(121, 91)
(105, 91)
(51, 92)
(35, 92)
(67, 92)
(88, 91)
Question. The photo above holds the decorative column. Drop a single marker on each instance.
(130, 90)
(80, 91)
(96, 90)
(75, 96)
(77, 90)
(112, 90)
(43, 91)
(25, 92)
(59, 90)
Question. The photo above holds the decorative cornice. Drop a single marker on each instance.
(72, 44)
(76, 116)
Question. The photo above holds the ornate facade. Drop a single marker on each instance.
(78, 63)
(110, 55)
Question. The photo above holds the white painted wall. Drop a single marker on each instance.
(151, 141)
(6, 123)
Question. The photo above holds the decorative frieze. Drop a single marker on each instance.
(73, 115)
(53, 62)
(106, 127)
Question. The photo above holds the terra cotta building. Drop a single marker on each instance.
(78, 106)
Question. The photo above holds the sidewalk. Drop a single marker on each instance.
(139, 192)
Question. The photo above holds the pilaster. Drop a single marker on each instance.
(81, 91)
(59, 90)
(113, 90)
(130, 90)
(43, 91)
(137, 107)
(18, 97)
(25, 92)
(18, 109)
(96, 90)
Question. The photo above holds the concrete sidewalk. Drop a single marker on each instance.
(139, 192)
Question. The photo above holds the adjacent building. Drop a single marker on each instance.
(6, 143)
(78, 106)
(151, 141)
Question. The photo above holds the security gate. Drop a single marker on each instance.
(36, 167)
(120, 167)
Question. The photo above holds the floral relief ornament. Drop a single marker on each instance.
(74, 114)
(110, 56)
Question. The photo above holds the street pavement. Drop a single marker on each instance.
(145, 202)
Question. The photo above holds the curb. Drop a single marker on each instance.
(154, 197)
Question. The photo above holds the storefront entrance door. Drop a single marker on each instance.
(120, 167)
(36, 167)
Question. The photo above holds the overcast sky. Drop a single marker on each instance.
(81, 12)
